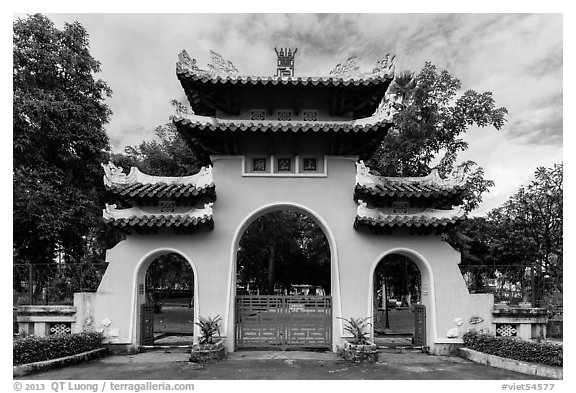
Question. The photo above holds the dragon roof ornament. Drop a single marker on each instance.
(218, 67)
(114, 177)
(350, 69)
(398, 94)
(454, 179)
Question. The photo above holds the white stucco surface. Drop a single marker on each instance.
(354, 255)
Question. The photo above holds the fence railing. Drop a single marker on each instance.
(512, 284)
(54, 283)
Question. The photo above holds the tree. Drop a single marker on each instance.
(529, 228)
(284, 248)
(169, 155)
(430, 119)
(59, 114)
(522, 239)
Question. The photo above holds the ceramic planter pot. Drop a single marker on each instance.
(207, 353)
(358, 353)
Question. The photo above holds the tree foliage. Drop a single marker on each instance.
(431, 119)
(59, 114)
(526, 231)
(283, 248)
(168, 155)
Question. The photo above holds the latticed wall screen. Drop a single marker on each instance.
(309, 115)
(284, 115)
(60, 328)
(506, 330)
(258, 115)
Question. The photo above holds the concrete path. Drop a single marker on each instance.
(253, 365)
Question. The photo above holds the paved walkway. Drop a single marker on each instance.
(254, 365)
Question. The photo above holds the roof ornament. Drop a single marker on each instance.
(385, 66)
(285, 64)
(113, 174)
(398, 95)
(347, 70)
(363, 176)
(221, 67)
(187, 64)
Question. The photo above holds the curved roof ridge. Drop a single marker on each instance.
(376, 213)
(427, 217)
(114, 177)
(111, 213)
(366, 179)
(223, 70)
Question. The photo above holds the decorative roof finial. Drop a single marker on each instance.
(285, 65)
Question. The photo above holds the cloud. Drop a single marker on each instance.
(518, 57)
(541, 124)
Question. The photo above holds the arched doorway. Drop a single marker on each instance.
(401, 301)
(284, 280)
(166, 300)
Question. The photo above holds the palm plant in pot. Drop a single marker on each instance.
(208, 348)
(358, 348)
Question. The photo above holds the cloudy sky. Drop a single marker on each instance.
(518, 57)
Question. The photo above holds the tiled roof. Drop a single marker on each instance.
(135, 217)
(138, 184)
(427, 186)
(425, 218)
(222, 71)
(282, 81)
(367, 124)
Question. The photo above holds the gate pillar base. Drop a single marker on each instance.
(446, 349)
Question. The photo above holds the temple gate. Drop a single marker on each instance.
(297, 144)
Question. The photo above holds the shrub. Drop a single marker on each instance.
(209, 327)
(36, 349)
(358, 327)
(513, 348)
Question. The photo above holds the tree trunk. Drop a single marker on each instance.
(271, 262)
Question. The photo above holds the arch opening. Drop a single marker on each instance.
(283, 253)
(402, 308)
(166, 300)
(284, 278)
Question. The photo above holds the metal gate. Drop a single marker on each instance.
(420, 325)
(147, 324)
(283, 322)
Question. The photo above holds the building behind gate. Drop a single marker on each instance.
(286, 143)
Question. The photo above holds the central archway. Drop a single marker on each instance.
(303, 301)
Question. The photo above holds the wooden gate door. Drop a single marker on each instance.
(420, 325)
(283, 322)
(147, 324)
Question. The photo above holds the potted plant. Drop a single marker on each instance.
(358, 348)
(208, 348)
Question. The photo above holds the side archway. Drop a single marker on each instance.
(334, 270)
(141, 295)
(427, 287)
